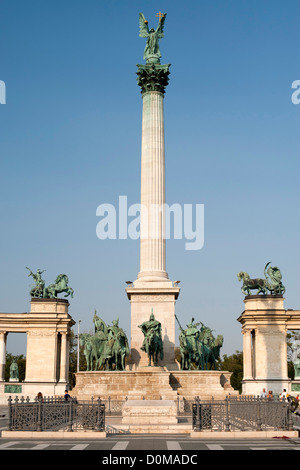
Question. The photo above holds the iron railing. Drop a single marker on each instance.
(232, 414)
(242, 414)
(54, 414)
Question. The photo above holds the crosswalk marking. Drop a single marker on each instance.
(40, 447)
(173, 445)
(8, 444)
(79, 447)
(121, 445)
(214, 447)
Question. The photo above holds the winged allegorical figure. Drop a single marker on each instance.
(152, 52)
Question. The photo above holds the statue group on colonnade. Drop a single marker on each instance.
(40, 291)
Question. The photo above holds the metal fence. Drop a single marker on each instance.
(232, 414)
(242, 414)
(55, 414)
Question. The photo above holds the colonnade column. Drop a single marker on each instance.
(247, 354)
(3, 336)
(64, 358)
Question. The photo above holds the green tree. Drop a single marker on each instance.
(73, 348)
(234, 363)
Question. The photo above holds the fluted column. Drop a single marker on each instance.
(64, 358)
(247, 354)
(153, 79)
(3, 336)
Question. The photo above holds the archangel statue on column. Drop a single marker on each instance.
(152, 53)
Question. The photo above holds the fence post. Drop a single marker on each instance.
(100, 419)
(290, 418)
(109, 409)
(69, 404)
(10, 413)
(39, 415)
(258, 422)
(198, 423)
(227, 422)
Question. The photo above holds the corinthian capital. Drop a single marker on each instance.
(153, 77)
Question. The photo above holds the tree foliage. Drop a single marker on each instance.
(234, 364)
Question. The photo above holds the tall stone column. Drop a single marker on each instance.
(153, 244)
(152, 290)
(153, 79)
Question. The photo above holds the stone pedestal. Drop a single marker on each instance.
(203, 383)
(264, 324)
(161, 298)
(153, 383)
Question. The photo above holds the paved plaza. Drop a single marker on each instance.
(152, 446)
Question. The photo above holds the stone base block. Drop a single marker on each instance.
(202, 383)
(149, 412)
(153, 383)
(254, 387)
(30, 389)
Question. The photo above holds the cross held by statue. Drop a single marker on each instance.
(160, 15)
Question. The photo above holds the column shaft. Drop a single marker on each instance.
(2, 355)
(153, 243)
(247, 354)
(64, 356)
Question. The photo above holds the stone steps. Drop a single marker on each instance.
(154, 428)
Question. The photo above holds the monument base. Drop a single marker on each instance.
(153, 383)
(203, 383)
(255, 387)
(159, 298)
(149, 412)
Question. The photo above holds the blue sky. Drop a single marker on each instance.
(70, 138)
